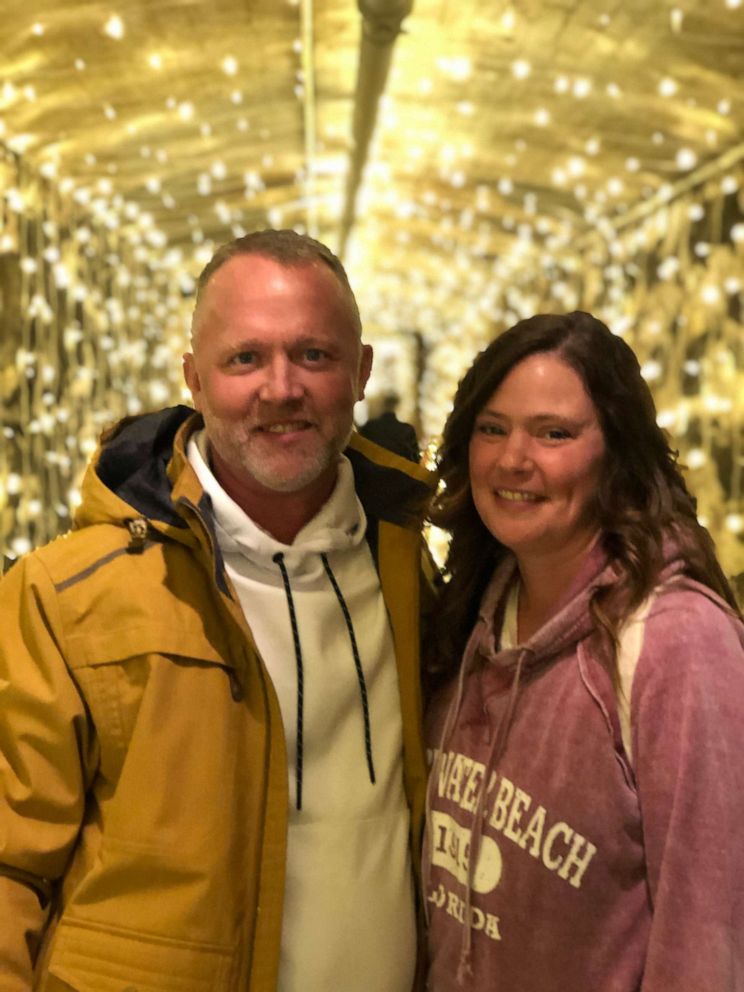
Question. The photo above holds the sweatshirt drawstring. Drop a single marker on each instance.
(279, 560)
(498, 744)
(449, 723)
(357, 665)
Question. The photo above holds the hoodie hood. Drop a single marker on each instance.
(569, 624)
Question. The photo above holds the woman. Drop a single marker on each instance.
(586, 803)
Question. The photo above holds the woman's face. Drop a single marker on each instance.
(536, 454)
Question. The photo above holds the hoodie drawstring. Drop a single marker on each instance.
(498, 745)
(279, 560)
(357, 665)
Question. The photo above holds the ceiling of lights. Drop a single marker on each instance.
(225, 116)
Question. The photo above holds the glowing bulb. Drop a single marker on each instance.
(458, 68)
(729, 184)
(667, 87)
(114, 27)
(521, 69)
(696, 458)
(686, 159)
(576, 166)
(20, 545)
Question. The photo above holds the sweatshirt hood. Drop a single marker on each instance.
(571, 621)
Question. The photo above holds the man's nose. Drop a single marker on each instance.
(281, 382)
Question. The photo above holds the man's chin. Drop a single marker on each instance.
(291, 481)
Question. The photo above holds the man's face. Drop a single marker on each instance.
(276, 369)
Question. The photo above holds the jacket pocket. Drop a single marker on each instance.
(90, 958)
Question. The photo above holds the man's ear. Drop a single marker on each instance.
(191, 376)
(365, 367)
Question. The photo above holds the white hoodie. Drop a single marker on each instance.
(349, 922)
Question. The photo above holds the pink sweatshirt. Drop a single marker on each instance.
(594, 874)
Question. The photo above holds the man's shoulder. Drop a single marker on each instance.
(73, 552)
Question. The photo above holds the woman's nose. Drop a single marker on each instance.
(515, 451)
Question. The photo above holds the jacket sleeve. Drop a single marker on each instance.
(688, 743)
(44, 740)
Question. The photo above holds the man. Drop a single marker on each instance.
(212, 775)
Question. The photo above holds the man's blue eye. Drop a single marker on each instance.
(245, 357)
(314, 354)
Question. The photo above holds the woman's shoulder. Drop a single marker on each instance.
(682, 606)
(689, 632)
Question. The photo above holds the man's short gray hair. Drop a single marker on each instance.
(286, 247)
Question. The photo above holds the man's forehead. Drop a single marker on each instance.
(253, 283)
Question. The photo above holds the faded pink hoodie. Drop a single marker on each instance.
(594, 874)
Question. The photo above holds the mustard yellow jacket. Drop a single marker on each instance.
(143, 769)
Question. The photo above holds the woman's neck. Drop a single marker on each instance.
(544, 581)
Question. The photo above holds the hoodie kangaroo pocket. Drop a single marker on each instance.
(91, 958)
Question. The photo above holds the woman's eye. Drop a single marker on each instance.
(490, 430)
(557, 434)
